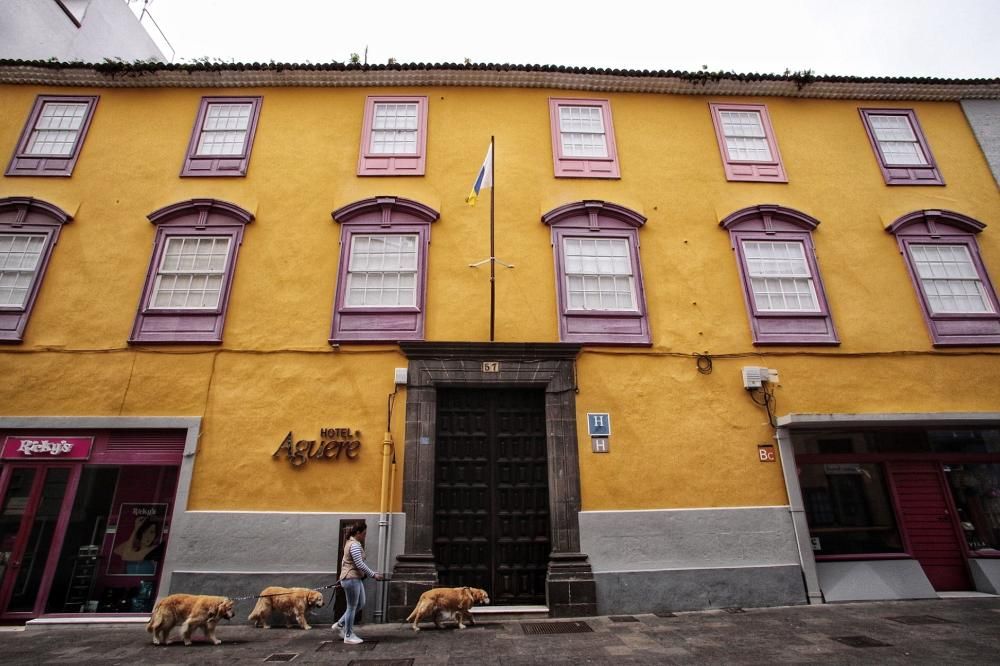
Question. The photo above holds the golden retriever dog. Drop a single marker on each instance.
(440, 603)
(290, 601)
(191, 611)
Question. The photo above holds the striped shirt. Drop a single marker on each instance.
(357, 554)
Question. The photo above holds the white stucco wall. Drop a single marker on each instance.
(41, 30)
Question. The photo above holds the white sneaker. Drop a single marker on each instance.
(353, 639)
(339, 628)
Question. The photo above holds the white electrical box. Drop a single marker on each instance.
(400, 377)
(754, 376)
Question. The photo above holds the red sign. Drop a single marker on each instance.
(765, 452)
(47, 448)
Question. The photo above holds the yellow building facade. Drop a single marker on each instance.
(240, 308)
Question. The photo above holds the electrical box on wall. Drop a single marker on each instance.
(754, 376)
(400, 376)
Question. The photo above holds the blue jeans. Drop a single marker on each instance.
(354, 590)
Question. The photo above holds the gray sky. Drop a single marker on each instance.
(945, 38)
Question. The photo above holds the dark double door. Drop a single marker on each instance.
(491, 496)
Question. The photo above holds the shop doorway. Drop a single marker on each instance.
(491, 493)
(34, 500)
(929, 523)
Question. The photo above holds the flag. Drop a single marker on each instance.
(483, 179)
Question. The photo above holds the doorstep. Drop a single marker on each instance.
(509, 612)
(80, 619)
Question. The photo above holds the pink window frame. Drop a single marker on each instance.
(778, 224)
(23, 164)
(583, 167)
(220, 165)
(389, 164)
(943, 227)
(599, 219)
(381, 215)
(24, 215)
(197, 217)
(903, 174)
(760, 171)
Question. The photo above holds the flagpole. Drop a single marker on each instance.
(493, 254)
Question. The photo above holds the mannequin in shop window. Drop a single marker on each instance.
(143, 549)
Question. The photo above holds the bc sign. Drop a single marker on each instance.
(599, 424)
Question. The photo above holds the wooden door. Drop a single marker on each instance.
(928, 523)
(491, 510)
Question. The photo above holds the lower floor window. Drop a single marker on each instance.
(848, 509)
(975, 488)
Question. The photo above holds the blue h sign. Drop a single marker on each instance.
(599, 424)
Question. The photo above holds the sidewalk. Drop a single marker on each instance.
(945, 631)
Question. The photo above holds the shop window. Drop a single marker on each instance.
(190, 274)
(382, 279)
(746, 141)
(782, 286)
(394, 137)
(901, 149)
(29, 229)
(975, 488)
(956, 295)
(848, 509)
(53, 136)
(598, 275)
(222, 137)
(583, 138)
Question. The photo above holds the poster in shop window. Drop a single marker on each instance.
(139, 544)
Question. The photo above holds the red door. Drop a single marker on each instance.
(34, 508)
(928, 524)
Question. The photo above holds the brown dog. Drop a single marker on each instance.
(290, 601)
(441, 603)
(190, 611)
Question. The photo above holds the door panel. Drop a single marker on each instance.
(491, 493)
(29, 523)
(927, 521)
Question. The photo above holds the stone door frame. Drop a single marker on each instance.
(570, 589)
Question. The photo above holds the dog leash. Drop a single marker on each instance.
(281, 594)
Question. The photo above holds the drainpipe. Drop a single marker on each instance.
(383, 522)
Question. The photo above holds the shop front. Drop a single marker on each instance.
(85, 517)
(897, 509)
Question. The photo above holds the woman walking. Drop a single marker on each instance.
(353, 571)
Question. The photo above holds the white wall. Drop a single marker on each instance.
(41, 30)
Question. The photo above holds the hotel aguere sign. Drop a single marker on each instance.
(332, 444)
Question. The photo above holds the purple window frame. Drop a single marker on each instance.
(599, 219)
(196, 217)
(771, 223)
(24, 164)
(220, 165)
(583, 167)
(381, 215)
(944, 227)
(24, 215)
(390, 164)
(903, 174)
(760, 171)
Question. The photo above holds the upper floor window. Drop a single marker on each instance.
(29, 230)
(956, 296)
(190, 274)
(782, 288)
(381, 284)
(222, 137)
(901, 149)
(51, 140)
(394, 137)
(746, 141)
(598, 276)
(583, 138)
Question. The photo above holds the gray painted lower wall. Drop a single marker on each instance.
(873, 580)
(235, 554)
(986, 575)
(686, 559)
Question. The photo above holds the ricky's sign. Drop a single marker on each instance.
(332, 444)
